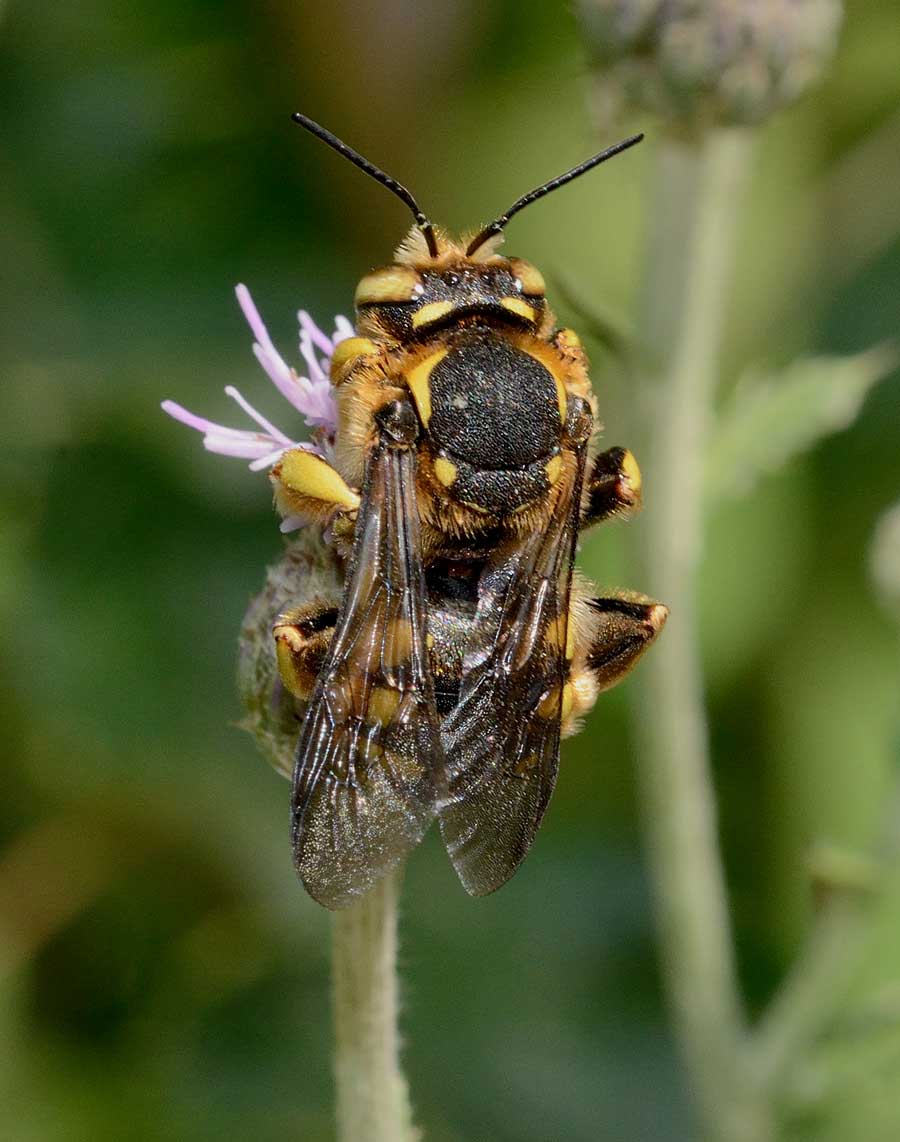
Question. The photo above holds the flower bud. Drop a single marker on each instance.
(700, 63)
(308, 569)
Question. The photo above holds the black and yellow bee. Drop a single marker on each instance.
(463, 646)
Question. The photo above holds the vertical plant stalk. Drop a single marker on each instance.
(372, 1096)
(686, 279)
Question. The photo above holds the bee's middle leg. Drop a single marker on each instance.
(302, 636)
(613, 487)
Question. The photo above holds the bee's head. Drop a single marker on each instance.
(435, 281)
(419, 294)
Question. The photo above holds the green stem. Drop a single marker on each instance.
(686, 282)
(372, 1097)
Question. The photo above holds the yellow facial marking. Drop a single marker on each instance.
(445, 470)
(519, 307)
(417, 380)
(531, 278)
(348, 350)
(306, 474)
(553, 468)
(391, 284)
(430, 313)
(383, 703)
(632, 472)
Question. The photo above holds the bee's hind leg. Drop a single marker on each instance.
(611, 634)
(612, 488)
(302, 635)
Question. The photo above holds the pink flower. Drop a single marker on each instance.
(311, 396)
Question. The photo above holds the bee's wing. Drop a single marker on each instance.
(369, 767)
(501, 740)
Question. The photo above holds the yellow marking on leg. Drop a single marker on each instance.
(296, 682)
(417, 381)
(349, 350)
(553, 469)
(446, 471)
(434, 311)
(289, 643)
(307, 474)
(519, 307)
(632, 472)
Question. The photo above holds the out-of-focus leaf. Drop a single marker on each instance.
(610, 329)
(885, 558)
(772, 418)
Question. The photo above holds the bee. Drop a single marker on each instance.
(463, 645)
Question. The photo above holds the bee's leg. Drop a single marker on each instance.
(307, 486)
(302, 635)
(610, 635)
(613, 487)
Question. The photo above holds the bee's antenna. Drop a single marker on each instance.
(379, 175)
(533, 195)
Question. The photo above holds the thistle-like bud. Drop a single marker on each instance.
(308, 569)
(702, 63)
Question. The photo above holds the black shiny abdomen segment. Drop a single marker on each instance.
(492, 404)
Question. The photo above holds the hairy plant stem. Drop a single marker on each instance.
(686, 279)
(372, 1096)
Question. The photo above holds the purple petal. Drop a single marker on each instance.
(201, 424)
(309, 356)
(248, 408)
(314, 333)
(342, 330)
(251, 313)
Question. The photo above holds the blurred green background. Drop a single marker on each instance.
(162, 975)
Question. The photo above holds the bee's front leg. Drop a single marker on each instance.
(302, 635)
(306, 485)
(613, 487)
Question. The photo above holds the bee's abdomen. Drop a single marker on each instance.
(493, 405)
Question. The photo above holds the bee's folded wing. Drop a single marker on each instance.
(369, 770)
(501, 740)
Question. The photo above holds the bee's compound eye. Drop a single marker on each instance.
(529, 277)
(391, 285)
